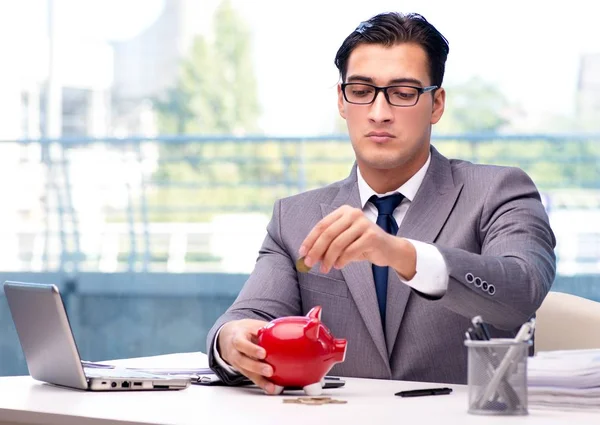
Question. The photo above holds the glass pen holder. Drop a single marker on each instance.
(497, 376)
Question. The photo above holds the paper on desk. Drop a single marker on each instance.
(575, 369)
(579, 392)
(564, 379)
(195, 363)
(570, 357)
(563, 401)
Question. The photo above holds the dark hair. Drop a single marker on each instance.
(392, 28)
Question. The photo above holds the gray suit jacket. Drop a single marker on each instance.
(492, 230)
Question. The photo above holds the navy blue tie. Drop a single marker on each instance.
(385, 219)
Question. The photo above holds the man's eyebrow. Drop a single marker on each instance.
(361, 78)
(365, 79)
(413, 81)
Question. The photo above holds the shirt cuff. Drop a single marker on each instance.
(432, 274)
(228, 368)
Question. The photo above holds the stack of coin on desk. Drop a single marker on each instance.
(313, 400)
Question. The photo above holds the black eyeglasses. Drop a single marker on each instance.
(365, 94)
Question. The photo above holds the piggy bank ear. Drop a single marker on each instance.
(315, 313)
(311, 329)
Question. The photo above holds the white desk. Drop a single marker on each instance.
(23, 400)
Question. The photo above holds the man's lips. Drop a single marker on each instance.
(380, 136)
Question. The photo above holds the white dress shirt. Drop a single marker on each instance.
(432, 274)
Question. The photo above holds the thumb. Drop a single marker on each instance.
(255, 326)
(253, 331)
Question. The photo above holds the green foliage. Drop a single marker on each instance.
(239, 108)
(475, 106)
(238, 176)
(215, 92)
(552, 164)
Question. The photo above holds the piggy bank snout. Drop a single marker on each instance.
(340, 349)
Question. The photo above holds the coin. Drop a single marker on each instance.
(313, 401)
(300, 266)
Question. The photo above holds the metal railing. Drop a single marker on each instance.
(167, 203)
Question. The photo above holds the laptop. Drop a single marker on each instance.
(50, 350)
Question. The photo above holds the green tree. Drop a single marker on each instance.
(238, 102)
(215, 92)
(474, 106)
(174, 111)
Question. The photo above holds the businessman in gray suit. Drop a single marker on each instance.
(410, 246)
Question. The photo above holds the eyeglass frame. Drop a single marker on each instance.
(420, 91)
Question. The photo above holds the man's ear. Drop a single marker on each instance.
(439, 103)
(341, 106)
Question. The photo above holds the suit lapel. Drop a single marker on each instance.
(358, 275)
(424, 219)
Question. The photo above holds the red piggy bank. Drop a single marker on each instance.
(301, 351)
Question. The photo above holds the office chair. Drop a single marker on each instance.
(567, 322)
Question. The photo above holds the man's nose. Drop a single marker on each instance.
(381, 110)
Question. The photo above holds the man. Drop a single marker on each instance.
(408, 248)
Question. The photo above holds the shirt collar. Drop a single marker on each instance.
(408, 189)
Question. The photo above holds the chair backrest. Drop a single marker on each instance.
(567, 322)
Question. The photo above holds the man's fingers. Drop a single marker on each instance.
(339, 247)
(260, 381)
(320, 246)
(319, 228)
(317, 252)
(252, 326)
(244, 346)
(251, 365)
(354, 252)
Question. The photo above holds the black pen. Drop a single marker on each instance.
(481, 328)
(472, 335)
(424, 392)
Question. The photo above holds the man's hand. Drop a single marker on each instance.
(237, 346)
(346, 235)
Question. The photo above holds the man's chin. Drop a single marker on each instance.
(383, 162)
